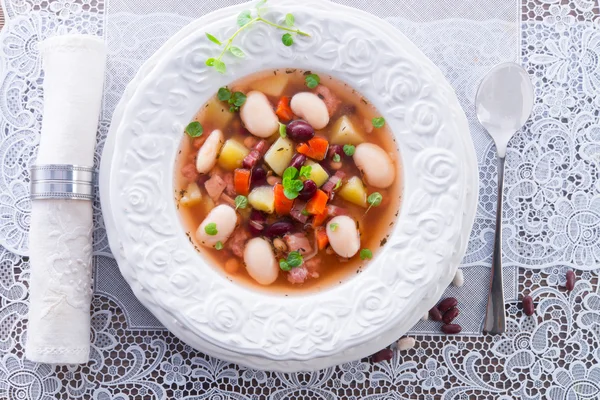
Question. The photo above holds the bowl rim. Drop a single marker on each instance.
(152, 65)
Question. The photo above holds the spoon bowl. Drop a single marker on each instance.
(503, 102)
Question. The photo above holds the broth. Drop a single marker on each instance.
(374, 226)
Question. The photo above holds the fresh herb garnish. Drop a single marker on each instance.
(291, 184)
(349, 150)
(337, 185)
(333, 226)
(241, 202)
(287, 39)
(194, 129)
(244, 20)
(294, 259)
(219, 245)
(235, 99)
(305, 171)
(211, 229)
(304, 212)
(312, 80)
(374, 200)
(336, 157)
(366, 254)
(282, 130)
(378, 122)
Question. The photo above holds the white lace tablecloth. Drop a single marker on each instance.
(551, 221)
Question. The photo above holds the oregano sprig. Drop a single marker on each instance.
(244, 20)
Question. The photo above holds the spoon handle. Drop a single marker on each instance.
(495, 316)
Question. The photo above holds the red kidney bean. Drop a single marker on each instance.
(435, 314)
(570, 285)
(300, 131)
(447, 304)
(382, 355)
(279, 228)
(308, 191)
(451, 329)
(257, 222)
(202, 180)
(335, 149)
(450, 315)
(258, 176)
(528, 307)
(298, 161)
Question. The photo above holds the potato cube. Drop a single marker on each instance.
(232, 154)
(344, 131)
(354, 191)
(279, 155)
(192, 195)
(218, 113)
(262, 198)
(272, 85)
(317, 173)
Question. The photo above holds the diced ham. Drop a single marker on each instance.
(227, 200)
(237, 242)
(334, 211)
(189, 172)
(297, 275)
(329, 186)
(230, 189)
(215, 187)
(258, 151)
(298, 242)
(296, 211)
(331, 100)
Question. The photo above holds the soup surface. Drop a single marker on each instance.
(288, 180)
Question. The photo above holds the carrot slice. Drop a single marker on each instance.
(283, 205)
(318, 203)
(318, 219)
(322, 239)
(241, 181)
(315, 148)
(284, 112)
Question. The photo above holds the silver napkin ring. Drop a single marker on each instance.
(62, 181)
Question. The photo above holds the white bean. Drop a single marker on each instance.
(225, 219)
(260, 261)
(406, 343)
(459, 278)
(343, 236)
(310, 108)
(258, 115)
(207, 154)
(376, 165)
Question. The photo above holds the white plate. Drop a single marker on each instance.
(255, 329)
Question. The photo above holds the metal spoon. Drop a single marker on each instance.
(504, 102)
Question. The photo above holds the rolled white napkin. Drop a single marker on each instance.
(61, 230)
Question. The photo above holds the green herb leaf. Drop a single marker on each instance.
(374, 199)
(336, 157)
(304, 212)
(287, 39)
(210, 61)
(211, 229)
(219, 245)
(312, 80)
(241, 202)
(224, 94)
(337, 185)
(284, 265)
(290, 173)
(219, 66)
(213, 39)
(289, 19)
(349, 150)
(333, 226)
(260, 4)
(366, 254)
(305, 171)
(236, 51)
(294, 259)
(238, 99)
(282, 130)
(194, 129)
(290, 193)
(244, 17)
(378, 122)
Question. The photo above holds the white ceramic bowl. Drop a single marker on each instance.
(298, 332)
